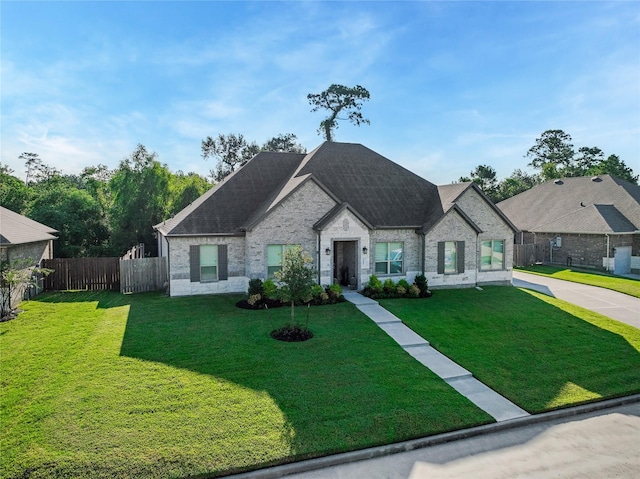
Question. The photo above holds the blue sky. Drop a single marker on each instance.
(453, 84)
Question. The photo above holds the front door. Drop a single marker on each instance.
(345, 264)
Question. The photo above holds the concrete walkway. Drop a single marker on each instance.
(618, 306)
(455, 375)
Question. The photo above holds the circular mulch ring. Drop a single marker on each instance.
(291, 334)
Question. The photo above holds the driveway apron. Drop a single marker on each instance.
(500, 408)
(618, 306)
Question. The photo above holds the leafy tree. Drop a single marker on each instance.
(78, 218)
(185, 189)
(338, 99)
(552, 153)
(140, 198)
(14, 194)
(486, 178)
(589, 158)
(297, 278)
(518, 182)
(232, 151)
(284, 142)
(37, 171)
(614, 166)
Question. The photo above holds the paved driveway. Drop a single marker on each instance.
(618, 306)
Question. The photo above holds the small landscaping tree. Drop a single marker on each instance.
(15, 278)
(297, 278)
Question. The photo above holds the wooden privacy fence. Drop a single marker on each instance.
(528, 254)
(142, 274)
(114, 274)
(82, 273)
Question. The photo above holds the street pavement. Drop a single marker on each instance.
(598, 445)
(612, 304)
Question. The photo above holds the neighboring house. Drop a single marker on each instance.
(354, 211)
(585, 221)
(23, 239)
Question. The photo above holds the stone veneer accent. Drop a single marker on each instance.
(345, 227)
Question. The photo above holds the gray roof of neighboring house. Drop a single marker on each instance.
(380, 192)
(589, 205)
(18, 229)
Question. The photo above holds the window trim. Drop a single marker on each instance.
(389, 260)
(490, 266)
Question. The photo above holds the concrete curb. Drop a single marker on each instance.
(373, 452)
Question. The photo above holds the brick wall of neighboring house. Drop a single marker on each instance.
(180, 283)
(291, 222)
(588, 251)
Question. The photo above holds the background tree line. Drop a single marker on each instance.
(103, 212)
(553, 156)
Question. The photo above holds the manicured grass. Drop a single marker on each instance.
(107, 385)
(540, 352)
(616, 283)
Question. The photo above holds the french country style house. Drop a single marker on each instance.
(355, 212)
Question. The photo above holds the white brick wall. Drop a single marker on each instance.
(180, 283)
(412, 243)
(291, 222)
(454, 228)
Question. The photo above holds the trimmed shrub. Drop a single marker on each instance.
(270, 290)
(389, 286)
(375, 284)
(421, 283)
(256, 287)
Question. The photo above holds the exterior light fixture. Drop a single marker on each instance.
(327, 251)
(365, 250)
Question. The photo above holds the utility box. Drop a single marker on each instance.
(558, 242)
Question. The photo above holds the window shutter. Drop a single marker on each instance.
(440, 257)
(223, 268)
(460, 254)
(194, 263)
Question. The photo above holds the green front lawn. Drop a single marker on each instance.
(616, 283)
(540, 352)
(107, 385)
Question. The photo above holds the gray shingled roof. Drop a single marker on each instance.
(380, 192)
(18, 229)
(224, 209)
(602, 204)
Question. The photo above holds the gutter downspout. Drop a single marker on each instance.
(319, 259)
(423, 253)
(607, 268)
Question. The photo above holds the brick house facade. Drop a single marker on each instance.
(386, 221)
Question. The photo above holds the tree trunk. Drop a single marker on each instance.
(292, 313)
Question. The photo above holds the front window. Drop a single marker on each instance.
(492, 255)
(208, 262)
(450, 257)
(275, 253)
(389, 258)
